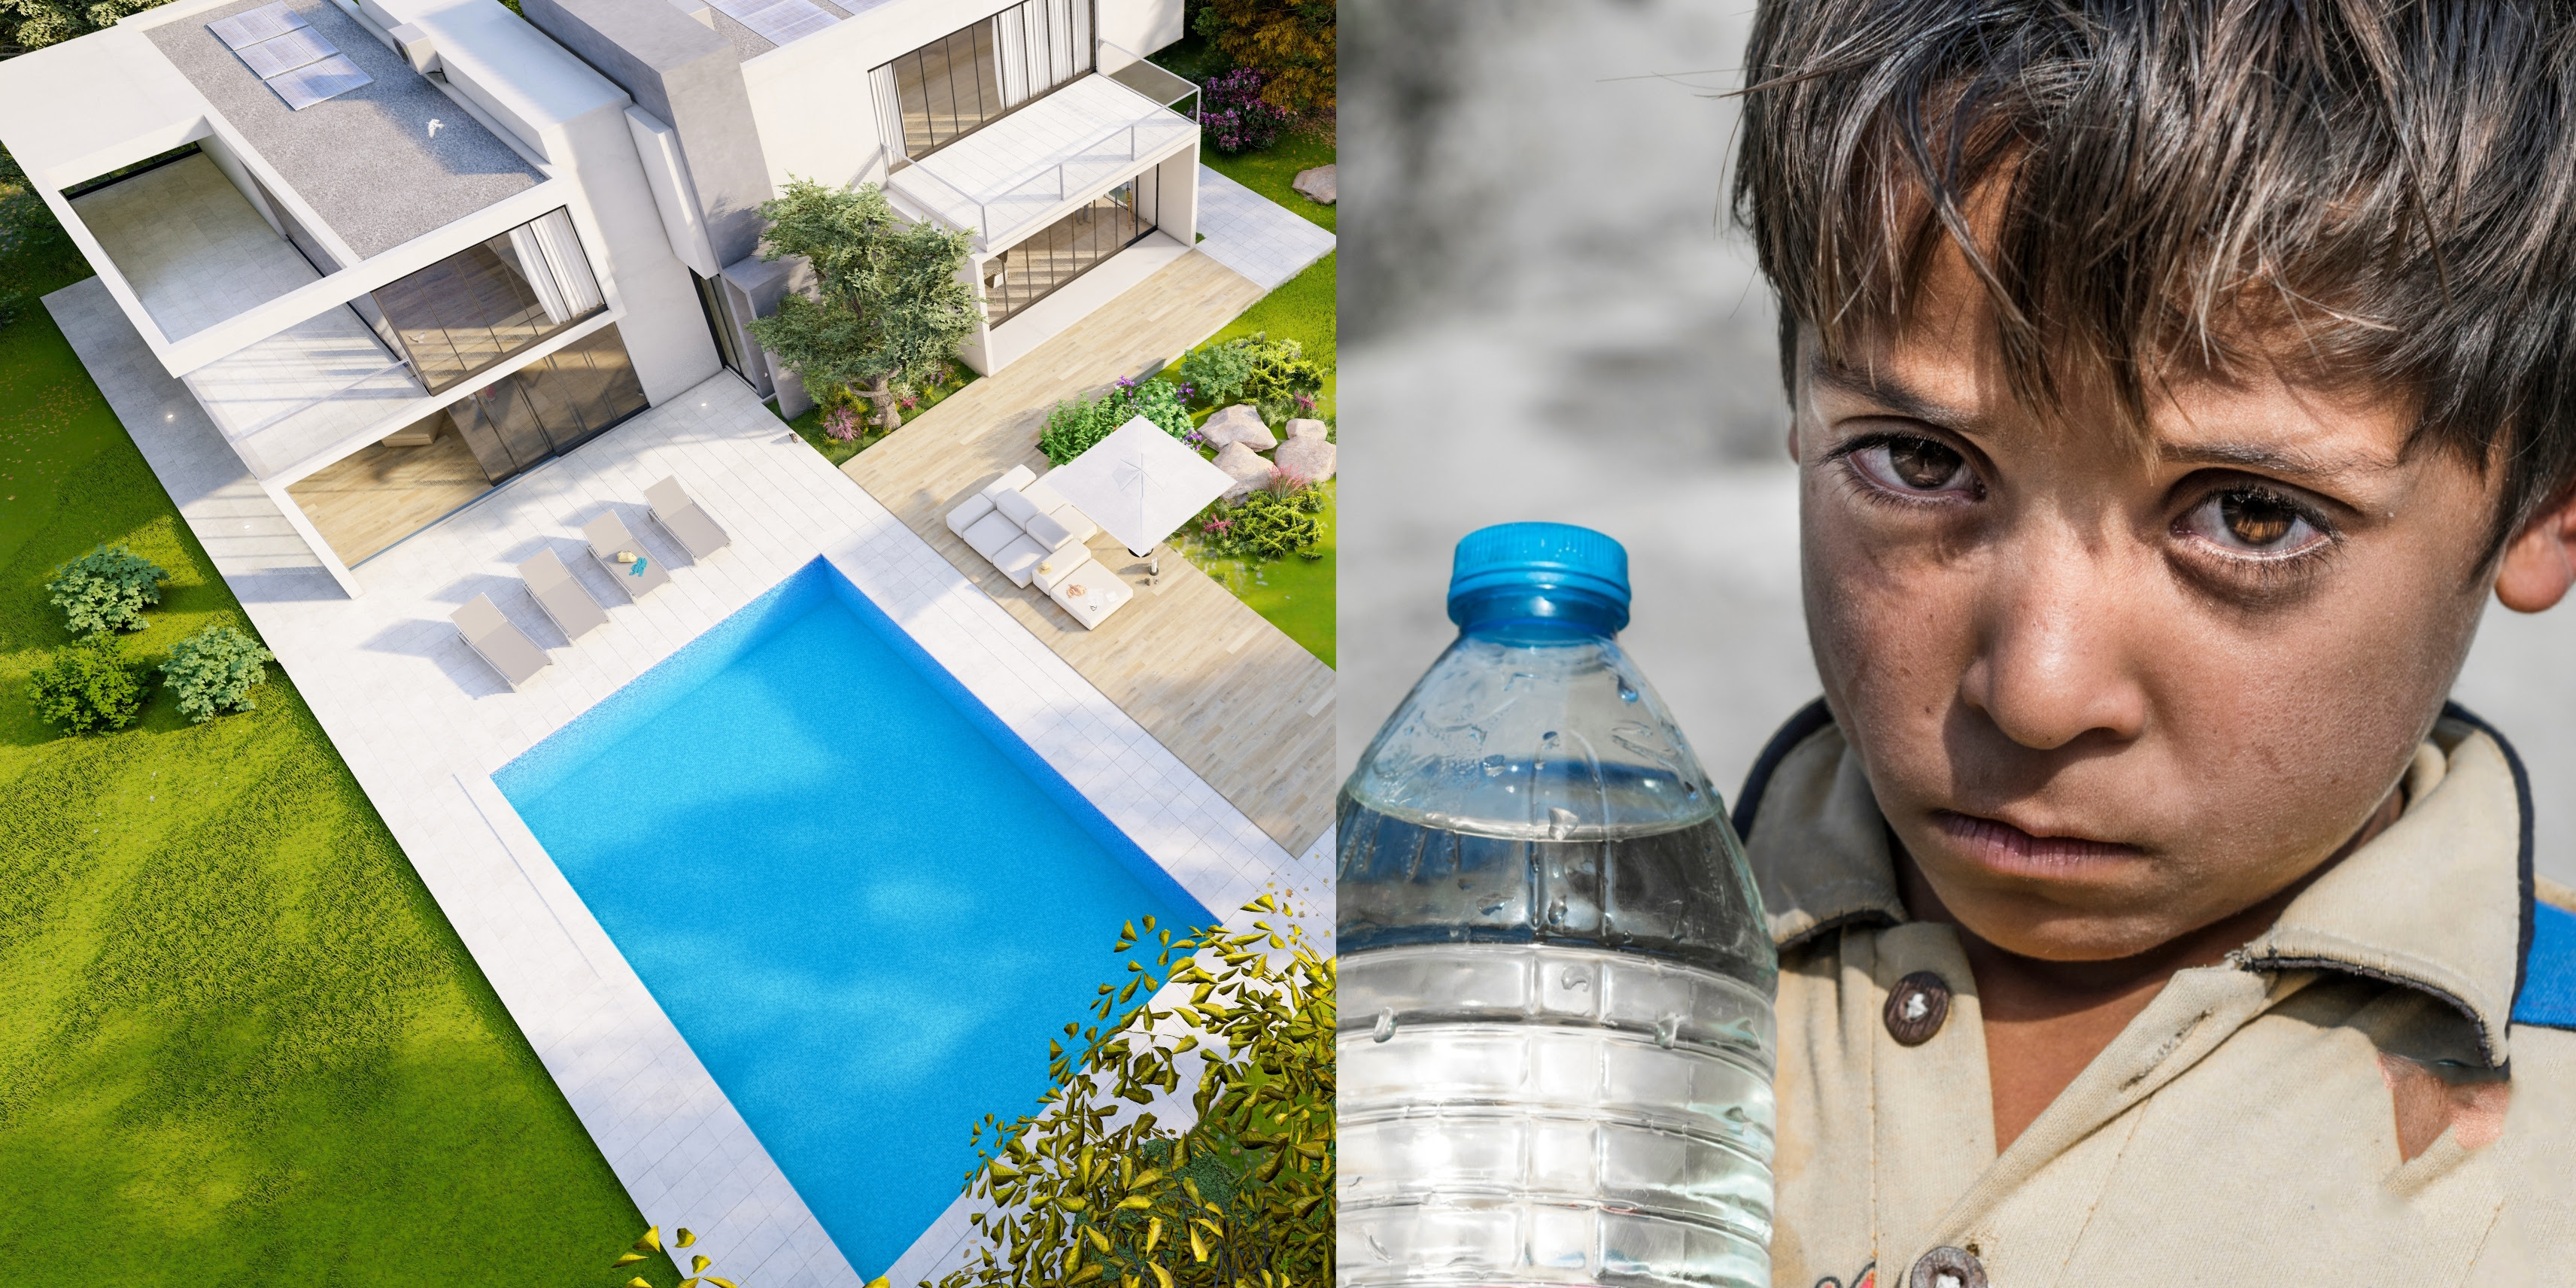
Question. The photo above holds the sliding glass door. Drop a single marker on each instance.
(550, 406)
(495, 298)
(1067, 249)
(947, 89)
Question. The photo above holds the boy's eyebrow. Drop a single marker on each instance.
(2270, 460)
(1891, 395)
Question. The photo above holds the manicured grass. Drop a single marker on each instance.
(809, 424)
(1295, 594)
(238, 1043)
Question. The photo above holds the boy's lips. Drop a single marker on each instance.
(2001, 847)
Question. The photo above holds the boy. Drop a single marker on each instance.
(2171, 384)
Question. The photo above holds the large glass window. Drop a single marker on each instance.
(551, 405)
(948, 88)
(1065, 249)
(491, 300)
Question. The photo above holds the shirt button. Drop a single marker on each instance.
(1916, 1008)
(1946, 1268)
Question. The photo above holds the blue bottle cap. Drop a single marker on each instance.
(1558, 557)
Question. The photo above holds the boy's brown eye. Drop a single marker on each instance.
(1922, 463)
(2256, 519)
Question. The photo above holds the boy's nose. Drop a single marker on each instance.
(2052, 663)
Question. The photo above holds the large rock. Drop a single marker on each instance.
(1304, 428)
(1319, 184)
(1249, 470)
(1308, 458)
(1240, 423)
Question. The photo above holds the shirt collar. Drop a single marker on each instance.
(2439, 902)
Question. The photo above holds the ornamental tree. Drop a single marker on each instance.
(1291, 41)
(890, 303)
(1094, 1188)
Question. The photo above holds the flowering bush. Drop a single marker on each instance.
(841, 424)
(1077, 423)
(1234, 116)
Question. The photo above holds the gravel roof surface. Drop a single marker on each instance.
(366, 160)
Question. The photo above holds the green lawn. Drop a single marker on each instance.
(239, 1042)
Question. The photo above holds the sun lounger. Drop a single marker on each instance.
(682, 518)
(608, 539)
(1090, 593)
(566, 604)
(507, 649)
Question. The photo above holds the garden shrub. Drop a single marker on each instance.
(214, 670)
(106, 590)
(88, 687)
(1276, 374)
(1268, 525)
(1091, 1191)
(1078, 423)
(1234, 116)
(1215, 373)
(1292, 42)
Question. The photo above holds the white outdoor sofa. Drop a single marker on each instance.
(1033, 535)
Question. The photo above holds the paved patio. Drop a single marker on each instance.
(1236, 700)
(422, 723)
(1255, 236)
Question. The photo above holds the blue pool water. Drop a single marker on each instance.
(863, 900)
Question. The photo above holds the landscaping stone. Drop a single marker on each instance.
(1308, 457)
(1240, 423)
(1249, 470)
(1304, 428)
(1319, 184)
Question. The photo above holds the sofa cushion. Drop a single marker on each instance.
(1076, 522)
(991, 533)
(968, 512)
(1049, 531)
(1018, 506)
(1061, 560)
(1019, 477)
(1043, 496)
(1020, 559)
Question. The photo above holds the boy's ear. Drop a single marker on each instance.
(2540, 563)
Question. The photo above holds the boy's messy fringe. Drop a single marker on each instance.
(2377, 193)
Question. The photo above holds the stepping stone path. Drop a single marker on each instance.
(1240, 423)
(1247, 467)
(1307, 454)
(1320, 184)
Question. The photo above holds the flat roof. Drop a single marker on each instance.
(367, 161)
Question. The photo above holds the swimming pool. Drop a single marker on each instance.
(863, 900)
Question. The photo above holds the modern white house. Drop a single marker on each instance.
(402, 250)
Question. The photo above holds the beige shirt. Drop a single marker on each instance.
(2243, 1130)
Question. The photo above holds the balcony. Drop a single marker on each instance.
(304, 390)
(1018, 174)
(190, 246)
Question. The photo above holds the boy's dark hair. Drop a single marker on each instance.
(2379, 191)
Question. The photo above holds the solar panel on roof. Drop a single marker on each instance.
(253, 26)
(777, 21)
(286, 53)
(304, 86)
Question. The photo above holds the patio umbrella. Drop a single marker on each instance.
(1139, 484)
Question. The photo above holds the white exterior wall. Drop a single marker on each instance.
(1138, 27)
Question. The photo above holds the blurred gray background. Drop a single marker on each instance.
(1545, 316)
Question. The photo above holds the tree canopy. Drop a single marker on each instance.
(1290, 41)
(889, 306)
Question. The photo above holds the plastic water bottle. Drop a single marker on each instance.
(1555, 1038)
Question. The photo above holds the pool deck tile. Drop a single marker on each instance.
(422, 723)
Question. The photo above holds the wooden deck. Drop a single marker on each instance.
(1234, 699)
